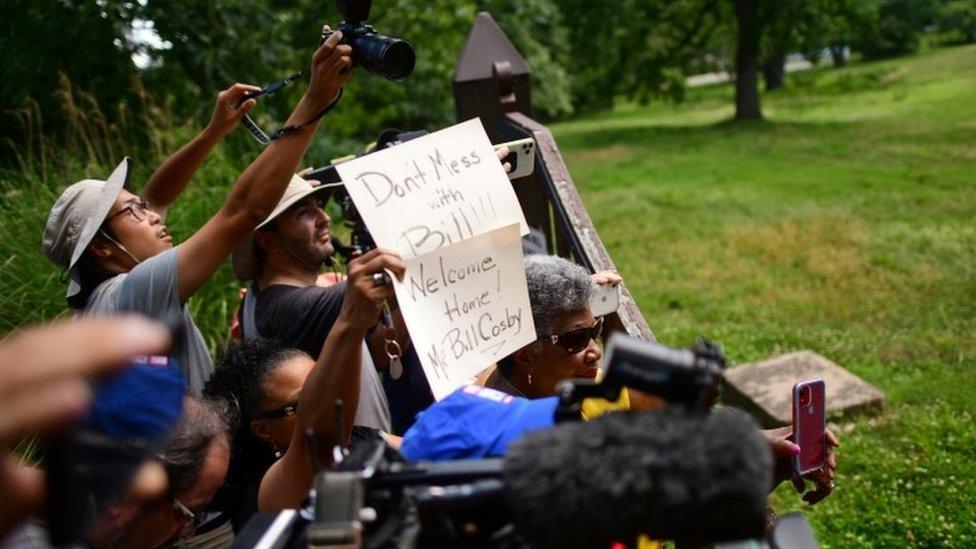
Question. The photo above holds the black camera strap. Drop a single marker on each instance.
(263, 137)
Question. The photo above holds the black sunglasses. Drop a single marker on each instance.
(289, 409)
(576, 340)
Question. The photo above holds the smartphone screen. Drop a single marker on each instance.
(810, 425)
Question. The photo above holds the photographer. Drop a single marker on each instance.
(285, 301)
(280, 394)
(118, 253)
(286, 304)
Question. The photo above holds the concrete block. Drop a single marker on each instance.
(765, 389)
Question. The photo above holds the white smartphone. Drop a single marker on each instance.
(605, 300)
(521, 155)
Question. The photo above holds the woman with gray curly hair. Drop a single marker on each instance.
(559, 292)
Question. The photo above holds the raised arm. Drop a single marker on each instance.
(335, 376)
(170, 178)
(259, 188)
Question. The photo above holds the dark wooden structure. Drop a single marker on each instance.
(492, 82)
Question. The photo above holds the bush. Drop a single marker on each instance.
(897, 30)
(957, 19)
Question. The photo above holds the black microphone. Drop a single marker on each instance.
(667, 474)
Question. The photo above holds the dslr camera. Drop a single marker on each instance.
(383, 55)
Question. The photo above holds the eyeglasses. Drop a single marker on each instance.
(139, 209)
(289, 409)
(576, 340)
(190, 520)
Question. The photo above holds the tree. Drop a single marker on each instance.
(636, 48)
(215, 42)
(749, 25)
(41, 40)
(957, 18)
(897, 29)
(839, 24)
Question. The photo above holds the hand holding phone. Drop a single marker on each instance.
(521, 156)
(810, 425)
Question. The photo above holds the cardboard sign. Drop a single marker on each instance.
(467, 305)
(433, 191)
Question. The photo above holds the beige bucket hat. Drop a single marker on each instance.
(244, 260)
(76, 217)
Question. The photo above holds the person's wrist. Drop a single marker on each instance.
(213, 133)
(318, 100)
(352, 325)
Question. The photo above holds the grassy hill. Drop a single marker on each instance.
(845, 224)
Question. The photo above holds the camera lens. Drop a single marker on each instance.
(804, 397)
(386, 56)
(400, 58)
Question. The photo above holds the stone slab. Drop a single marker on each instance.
(765, 389)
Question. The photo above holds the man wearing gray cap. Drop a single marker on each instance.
(116, 249)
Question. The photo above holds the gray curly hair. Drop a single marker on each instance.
(557, 286)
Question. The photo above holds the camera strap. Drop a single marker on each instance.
(259, 134)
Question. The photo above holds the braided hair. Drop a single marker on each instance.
(238, 383)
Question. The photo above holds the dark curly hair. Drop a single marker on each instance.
(238, 384)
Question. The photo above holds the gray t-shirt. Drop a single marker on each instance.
(151, 288)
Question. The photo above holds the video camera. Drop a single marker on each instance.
(383, 55)
(665, 474)
(687, 378)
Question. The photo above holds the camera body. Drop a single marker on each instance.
(389, 57)
(688, 377)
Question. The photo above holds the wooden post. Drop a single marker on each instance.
(492, 82)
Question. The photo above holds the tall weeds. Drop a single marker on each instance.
(90, 146)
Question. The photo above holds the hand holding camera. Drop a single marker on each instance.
(365, 292)
(331, 66)
(386, 56)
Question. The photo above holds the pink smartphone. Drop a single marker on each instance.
(810, 425)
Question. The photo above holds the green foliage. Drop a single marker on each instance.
(537, 29)
(215, 43)
(810, 27)
(40, 40)
(897, 29)
(639, 49)
(957, 18)
(583, 54)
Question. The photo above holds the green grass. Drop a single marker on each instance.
(845, 224)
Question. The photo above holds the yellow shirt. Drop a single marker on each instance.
(595, 407)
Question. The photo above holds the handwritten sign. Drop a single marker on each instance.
(467, 305)
(433, 191)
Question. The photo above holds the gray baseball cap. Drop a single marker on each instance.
(244, 260)
(75, 218)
